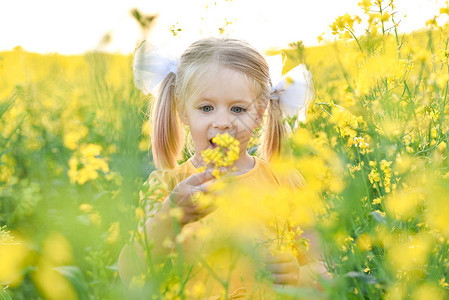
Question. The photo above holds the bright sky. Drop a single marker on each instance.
(73, 27)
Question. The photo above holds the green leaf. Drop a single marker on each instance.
(368, 279)
(74, 275)
(4, 106)
(4, 295)
(378, 217)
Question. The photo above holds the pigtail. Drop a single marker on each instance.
(274, 135)
(167, 132)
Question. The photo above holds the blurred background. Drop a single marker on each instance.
(74, 27)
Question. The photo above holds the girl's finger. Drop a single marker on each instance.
(280, 258)
(205, 211)
(282, 268)
(199, 178)
(199, 188)
(290, 279)
(194, 213)
(198, 210)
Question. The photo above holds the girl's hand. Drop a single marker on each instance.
(284, 268)
(185, 196)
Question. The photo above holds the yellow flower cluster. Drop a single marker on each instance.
(386, 171)
(284, 237)
(344, 24)
(374, 175)
(365, 5)
(84, 166)
(56, 252)
(359, 142)
(346, 121)
(13, 258)
(73, 136)
(225, 153)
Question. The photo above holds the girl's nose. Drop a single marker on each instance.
(222, 122)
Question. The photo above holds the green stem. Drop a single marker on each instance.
(356, 39)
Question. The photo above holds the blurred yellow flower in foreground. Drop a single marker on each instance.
(428, 291)
(403, 205)
(437, 206)
(56, 252)
(13, 258)
(365, 242)
(409, 253)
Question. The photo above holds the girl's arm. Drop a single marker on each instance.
(161, 227)
(132, 261)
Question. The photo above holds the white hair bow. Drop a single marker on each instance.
(294, 90)
(151, 66)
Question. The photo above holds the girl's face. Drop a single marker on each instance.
(226, 104)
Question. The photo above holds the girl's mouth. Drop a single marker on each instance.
(213, 145)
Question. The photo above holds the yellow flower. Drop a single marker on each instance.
(7, 168)
(85, 164)
(225, 153)
(377, 201)
(95, 218)
(343, 24)
(89, 150)
(57, 250)
(87, 208)
(442, 147)
(198, 290)
(409, 252)
(383, 214)
(13, 258)
(113, 233)
(72, 137)
(137, 281)
(139, 213)
(365, 242)
(365, 5)
(432, 22)
(442, 282)
(53, 284)
(403, 205)
(385, 17)
(360, 142)
(428, 291)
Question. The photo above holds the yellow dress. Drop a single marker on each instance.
(217, 246)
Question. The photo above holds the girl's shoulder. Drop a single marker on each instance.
(179, 173)
(285, 174)
(161, 182)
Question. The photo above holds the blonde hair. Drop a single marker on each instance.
(176, 89)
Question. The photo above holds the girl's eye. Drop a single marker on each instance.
(206, 108)
(238, 110)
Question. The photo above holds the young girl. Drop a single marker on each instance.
(221, 85)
